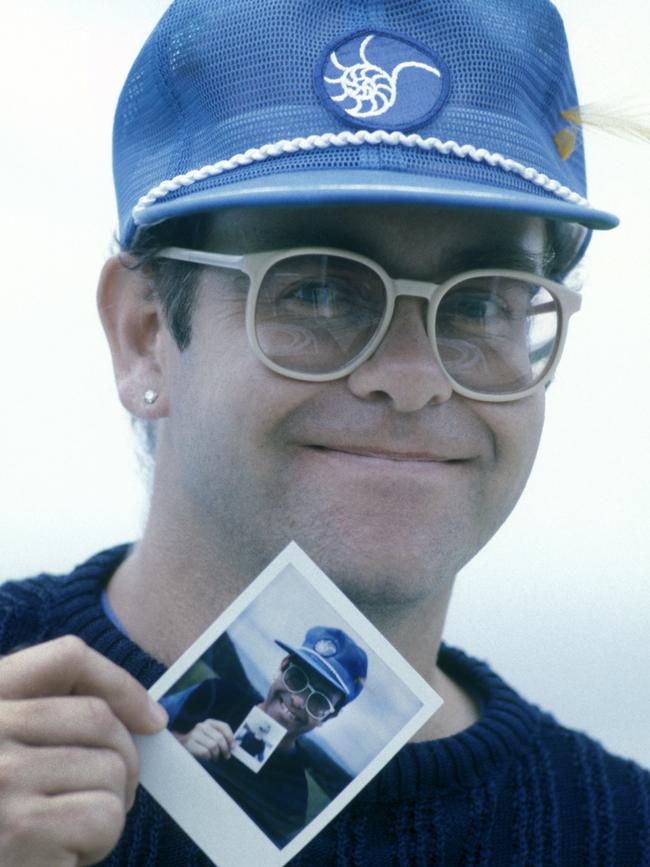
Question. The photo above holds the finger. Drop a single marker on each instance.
(85, 826)
(67, 666)
(218, 731)
(63, 720)
(206, 741)
(70, 721)
(60, 770)
(210, 741)
(222, 727)
(201, 751)
(202, 740)
(219, 745)
(227, 733)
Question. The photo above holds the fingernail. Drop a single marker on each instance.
(158, 714)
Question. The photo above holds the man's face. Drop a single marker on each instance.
(289, 708)
(387, 478)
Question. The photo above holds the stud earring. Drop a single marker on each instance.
(150, 396)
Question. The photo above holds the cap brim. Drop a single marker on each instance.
(312, 663)
(372, 187)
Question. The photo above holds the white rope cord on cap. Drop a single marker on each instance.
(346, 138)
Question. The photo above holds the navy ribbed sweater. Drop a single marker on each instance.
(516, 788)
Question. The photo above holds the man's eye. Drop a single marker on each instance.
(476, 306)
(327, 299)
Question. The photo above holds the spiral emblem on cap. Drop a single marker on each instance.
(382, 80)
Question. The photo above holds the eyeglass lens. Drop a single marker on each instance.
(316, 313)
(497, 335)
(317, 703)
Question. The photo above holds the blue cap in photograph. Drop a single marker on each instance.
(335, 656)
(445, 103)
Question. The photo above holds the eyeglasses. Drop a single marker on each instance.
(316, 314)
(318, 705)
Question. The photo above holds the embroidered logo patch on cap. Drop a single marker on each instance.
(379, 80)
(325, 647)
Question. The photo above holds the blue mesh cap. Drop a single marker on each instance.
(451, 103)
(335, 656)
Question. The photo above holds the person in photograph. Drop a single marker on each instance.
(313, 683)
(253, 741)
(348, 235)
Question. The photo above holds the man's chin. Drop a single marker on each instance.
(392, 578)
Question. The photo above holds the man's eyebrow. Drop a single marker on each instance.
(512, 258)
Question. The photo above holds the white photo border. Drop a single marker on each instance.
(194, 799)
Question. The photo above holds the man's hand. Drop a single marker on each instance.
(68, 764)
(210, 739)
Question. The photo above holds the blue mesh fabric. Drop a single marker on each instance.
(218, 77)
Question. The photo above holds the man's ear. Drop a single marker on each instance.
(138, 338)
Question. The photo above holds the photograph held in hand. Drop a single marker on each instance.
(278, 734)
(345, 273)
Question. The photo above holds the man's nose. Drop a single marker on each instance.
(299, 698)
(403, 369)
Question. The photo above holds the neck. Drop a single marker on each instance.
(166, 598)
(415, 630)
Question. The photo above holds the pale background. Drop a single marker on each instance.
(559, 602)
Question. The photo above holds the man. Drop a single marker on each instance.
(313, 683)
(338, 309)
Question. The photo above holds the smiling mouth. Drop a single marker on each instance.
(395, 457)
(290, 713)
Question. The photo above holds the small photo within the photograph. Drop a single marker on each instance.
(256, 739)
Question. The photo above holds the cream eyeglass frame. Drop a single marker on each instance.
(255, 266)
(331, 710)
